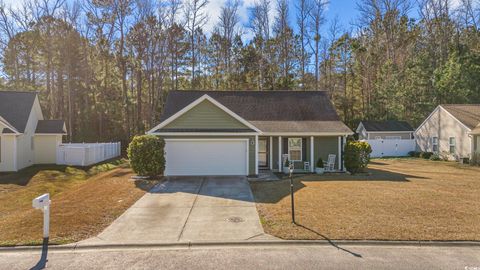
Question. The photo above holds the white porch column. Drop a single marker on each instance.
(270, 155)
(256, 154)
(312, 161)
(339, 152)
(343, 149)
(279, 153)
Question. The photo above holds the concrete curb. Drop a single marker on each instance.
(240, 244)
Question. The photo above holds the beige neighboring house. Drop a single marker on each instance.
(452, 130)
(25, 137)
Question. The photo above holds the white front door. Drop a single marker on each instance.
(206, 157)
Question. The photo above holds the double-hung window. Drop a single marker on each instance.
(295, 149)
(451, 142)
(435, 144)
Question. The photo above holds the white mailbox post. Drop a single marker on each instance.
(43, 203)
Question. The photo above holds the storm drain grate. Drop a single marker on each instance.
(235, 219)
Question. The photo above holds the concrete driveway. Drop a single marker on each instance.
(183, 209)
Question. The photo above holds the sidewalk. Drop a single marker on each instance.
(254, 255)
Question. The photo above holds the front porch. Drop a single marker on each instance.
(303, 151)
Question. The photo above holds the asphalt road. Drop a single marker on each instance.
(256, 257)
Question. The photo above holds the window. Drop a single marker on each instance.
(451, 142)
(295, 149)
(435, 144)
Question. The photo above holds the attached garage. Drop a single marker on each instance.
(206, 157)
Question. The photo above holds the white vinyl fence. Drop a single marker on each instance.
(391, 148)
(85, 154)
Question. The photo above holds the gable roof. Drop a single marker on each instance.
(50, 127)
(269, 111)
(467, 114)
(15, 108)
(389, 125)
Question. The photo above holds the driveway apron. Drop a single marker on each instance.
(183, 209)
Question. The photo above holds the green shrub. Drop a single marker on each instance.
(435, 157)
(426, 155)
(414, 154)
(357, 156)
(320, 163)
(146, 154)
(287, 163)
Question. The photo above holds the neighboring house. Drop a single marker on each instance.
(240, 132)
(387, 138)
(384, 130)
(25, 137)
(476, 143)
(452, 130)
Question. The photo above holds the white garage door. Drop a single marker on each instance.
(206, 157)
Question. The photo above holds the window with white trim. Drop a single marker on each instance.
(295, 149)
(435, 144)
(452, 144)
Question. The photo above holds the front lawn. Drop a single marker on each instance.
(84, 201)
(399, 199)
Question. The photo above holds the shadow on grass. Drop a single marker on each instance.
(42, 263)
(23, 176)
(330, 241)
(273, 192)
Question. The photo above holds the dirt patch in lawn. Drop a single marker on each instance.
(82, 204)
(398, 199)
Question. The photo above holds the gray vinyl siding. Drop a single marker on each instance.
(323, 146)
(206, 115)
(251, 147)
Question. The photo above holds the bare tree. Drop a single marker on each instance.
(317, 19)
(304, 8)
(227, 27)
(196, 18)
(260, 25)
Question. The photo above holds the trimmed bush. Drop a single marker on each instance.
(146, 154)
(320, 163)
(426, 155)
(414, 154)
(435, 157)
(357, 156)
(287, 163)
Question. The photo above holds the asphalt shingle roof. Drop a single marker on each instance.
(270, 111)
(389, 125)
(468, 114)
(50, 127)
(15, 107)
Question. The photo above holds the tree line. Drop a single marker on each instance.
(105, 66)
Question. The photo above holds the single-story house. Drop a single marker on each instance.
(452, 130)
(384, 130)
(25, 137)
(242, 132)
